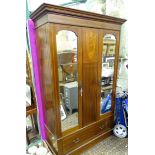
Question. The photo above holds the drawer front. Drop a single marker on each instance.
(82, 136)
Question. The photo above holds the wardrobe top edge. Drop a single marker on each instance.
(54, 9)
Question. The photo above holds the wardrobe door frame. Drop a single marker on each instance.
(90, 82)
(102, 33)
(77, 31)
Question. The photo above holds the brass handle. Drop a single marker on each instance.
(101, 127)
(80, 87)
(76, 140)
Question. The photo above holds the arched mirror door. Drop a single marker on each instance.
(67, 55)
(107, 72)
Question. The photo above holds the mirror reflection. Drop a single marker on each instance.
(68, 78)
(108, 58)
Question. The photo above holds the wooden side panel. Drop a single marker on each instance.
(46, 77)
(89, 85)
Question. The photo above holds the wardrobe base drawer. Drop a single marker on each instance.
(91, 143)
(85, 134)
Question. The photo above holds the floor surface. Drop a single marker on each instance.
(110, 146)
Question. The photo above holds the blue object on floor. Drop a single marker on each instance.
(106, 104)
(119, 112)
(121, 109)
(126, 105)
(121, 115)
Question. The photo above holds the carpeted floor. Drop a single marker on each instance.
(110, 146)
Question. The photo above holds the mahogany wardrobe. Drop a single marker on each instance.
(78, 55)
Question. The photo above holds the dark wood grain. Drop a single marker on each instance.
(64, 11)
(89, 93)
(90, 81)
(91, 143)
(86, 134)
(72, 21)
(46, 77)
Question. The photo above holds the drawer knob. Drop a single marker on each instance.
(101, 127)
(76, 140)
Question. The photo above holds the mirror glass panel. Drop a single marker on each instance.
(108, 58)
(68, 78)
